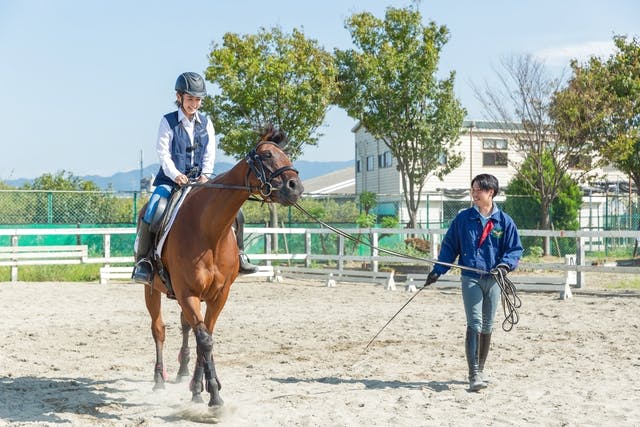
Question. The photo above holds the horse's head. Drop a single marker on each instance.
(271, 169)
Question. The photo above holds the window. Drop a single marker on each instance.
(385, 160)
(370, 163)
(494, 152)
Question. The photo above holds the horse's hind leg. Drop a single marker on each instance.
(184, 356)
(153, 302)
(205, 363)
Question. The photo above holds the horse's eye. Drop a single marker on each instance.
(267, 155)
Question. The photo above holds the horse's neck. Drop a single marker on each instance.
(225, 203)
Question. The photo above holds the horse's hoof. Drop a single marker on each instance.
(216, 401)
(158, 386)
(197, 398)
(180, 377)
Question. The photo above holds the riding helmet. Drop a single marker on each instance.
(191, 83)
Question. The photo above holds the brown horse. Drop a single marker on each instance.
(201, 254)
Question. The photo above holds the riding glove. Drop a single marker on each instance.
(431, 278)
(501, 269)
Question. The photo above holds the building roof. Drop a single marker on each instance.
(342, 181)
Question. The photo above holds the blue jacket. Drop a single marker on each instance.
(501, 246)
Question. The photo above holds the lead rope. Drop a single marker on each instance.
(510, 300)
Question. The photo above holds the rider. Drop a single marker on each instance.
(186, 148)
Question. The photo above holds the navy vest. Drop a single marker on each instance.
(185, 156)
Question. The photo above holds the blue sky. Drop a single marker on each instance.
(84, 83)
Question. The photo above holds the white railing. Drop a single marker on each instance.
(341, 258)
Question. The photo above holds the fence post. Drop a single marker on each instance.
(307, 248)
(14, 268)
(340, 252)
(374, 250)
(580, 260)
(107, 247)
(434, 245)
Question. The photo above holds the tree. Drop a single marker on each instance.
(269, 78)
(61, 181)
(523, 203)
(522, 106)
(607, 105)
(389, 83)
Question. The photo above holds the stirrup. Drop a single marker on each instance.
(245, 265)
(143, 272)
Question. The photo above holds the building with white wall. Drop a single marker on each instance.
(485, 149)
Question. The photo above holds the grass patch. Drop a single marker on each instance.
(630, 284)
(53, 273)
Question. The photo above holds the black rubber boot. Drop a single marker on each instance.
(245, 265)
(471, 349)
(485, 342)
(143, 270)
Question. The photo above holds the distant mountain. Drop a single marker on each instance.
(130, 181)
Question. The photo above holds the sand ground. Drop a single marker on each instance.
(291, 354)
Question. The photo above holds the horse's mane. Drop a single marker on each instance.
(273, 134)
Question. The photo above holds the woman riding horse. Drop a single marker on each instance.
(200, 252)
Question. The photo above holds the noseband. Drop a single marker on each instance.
(264, 175)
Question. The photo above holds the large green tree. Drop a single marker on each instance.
(389, 84)
(269, 77)
(606, 105)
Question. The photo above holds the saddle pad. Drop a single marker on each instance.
(166, 229)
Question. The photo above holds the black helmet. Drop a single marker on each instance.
(191, 83)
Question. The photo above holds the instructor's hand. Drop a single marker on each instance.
(501, 269)
(431, 278)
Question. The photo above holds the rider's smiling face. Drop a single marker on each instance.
(189, 104)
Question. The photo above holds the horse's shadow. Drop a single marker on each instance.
(373, 384)
(34, 399)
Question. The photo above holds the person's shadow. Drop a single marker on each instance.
(34, 399)
(373, 384)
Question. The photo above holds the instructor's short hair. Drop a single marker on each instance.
(487, 182)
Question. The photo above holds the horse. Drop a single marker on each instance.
(200, 254)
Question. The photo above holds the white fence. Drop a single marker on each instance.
(341, 259)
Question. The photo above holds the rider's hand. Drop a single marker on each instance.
(431, 278)
(202, 179)
(182, 179)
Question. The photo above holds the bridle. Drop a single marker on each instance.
(264, 175)
(261, 172)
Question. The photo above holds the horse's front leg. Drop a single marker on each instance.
(154, 302)
(184, 355)
(205, 363)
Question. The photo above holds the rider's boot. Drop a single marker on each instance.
(245, 265)
(143, 270)
(485, 341)
(471, 351)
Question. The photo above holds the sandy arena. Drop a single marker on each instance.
(291, 354)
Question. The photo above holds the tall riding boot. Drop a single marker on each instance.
(143, 270)
(245, 265)
(471, 350)
(485, 341)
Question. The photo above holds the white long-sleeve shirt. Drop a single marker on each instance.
(165, 136)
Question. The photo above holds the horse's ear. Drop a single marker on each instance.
(280, 138)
